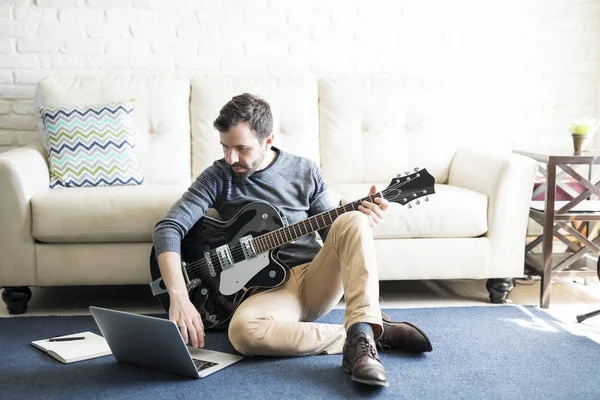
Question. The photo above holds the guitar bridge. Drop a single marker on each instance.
(209, 264)
(194, 283)
(186, 278)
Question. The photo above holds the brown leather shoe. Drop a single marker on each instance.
(403, 336)
(361, 360)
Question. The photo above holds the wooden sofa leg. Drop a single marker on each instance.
(16, 298)
(499, 288)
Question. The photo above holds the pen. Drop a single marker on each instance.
(66, 339)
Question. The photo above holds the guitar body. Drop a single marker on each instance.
(205, 287)
(224, 261)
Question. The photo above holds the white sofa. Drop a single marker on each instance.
(361, 131)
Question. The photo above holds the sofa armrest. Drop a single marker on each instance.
(507, 180)
(23, 173)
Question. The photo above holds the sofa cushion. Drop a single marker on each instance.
(294, 103)
(161, 118)
(101, 214)
(451, 212)
(373, 129)
(91, 145)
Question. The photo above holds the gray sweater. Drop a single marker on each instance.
(291, 183)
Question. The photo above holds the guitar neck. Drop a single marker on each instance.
(289, 233)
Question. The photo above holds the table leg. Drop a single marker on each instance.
(548, 235)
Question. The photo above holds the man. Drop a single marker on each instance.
(278, 321)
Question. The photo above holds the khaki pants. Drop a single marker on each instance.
(278, 322)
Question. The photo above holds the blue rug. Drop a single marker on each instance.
(502, 352)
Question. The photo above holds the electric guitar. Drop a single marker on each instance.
(222, 261)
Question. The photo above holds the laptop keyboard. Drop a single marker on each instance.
(202, 364)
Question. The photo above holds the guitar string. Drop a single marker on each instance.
(283, 229)
(237, 251)
(201, 266)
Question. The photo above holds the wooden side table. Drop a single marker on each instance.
(556, 216)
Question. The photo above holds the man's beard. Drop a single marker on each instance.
(249, 169)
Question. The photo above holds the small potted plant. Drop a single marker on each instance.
(582, 132)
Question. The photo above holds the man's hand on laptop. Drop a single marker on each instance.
(188, 319)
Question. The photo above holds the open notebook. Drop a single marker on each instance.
(76, 350)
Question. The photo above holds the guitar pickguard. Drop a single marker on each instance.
(234, 279)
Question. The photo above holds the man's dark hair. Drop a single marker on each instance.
(246, 108)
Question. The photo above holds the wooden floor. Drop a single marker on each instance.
(570, 297)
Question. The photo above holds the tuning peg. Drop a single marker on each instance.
(406, 172)
(426, 198)
(416, 169)
(410, 206)
(398, 175)
(417, 202)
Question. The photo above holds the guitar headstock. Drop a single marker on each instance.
(406, 188)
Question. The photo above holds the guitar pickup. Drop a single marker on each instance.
(247, 247)
(224, 256)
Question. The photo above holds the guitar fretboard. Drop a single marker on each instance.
(289, 233)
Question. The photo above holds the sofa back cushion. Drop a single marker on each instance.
(161, 116)
(293, 101)
(373, 129)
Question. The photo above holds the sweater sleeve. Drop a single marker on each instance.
(181, 217)
(319, 201)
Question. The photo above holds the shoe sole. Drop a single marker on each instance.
(363, 381)
(387, 319)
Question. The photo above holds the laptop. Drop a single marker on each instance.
(156, 343)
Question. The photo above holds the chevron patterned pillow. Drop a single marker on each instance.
(91, 145)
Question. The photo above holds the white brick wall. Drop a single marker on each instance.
(529, 66)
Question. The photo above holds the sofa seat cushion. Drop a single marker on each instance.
(452, 212)
(101, 214)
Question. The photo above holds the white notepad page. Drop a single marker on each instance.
(76, 350)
